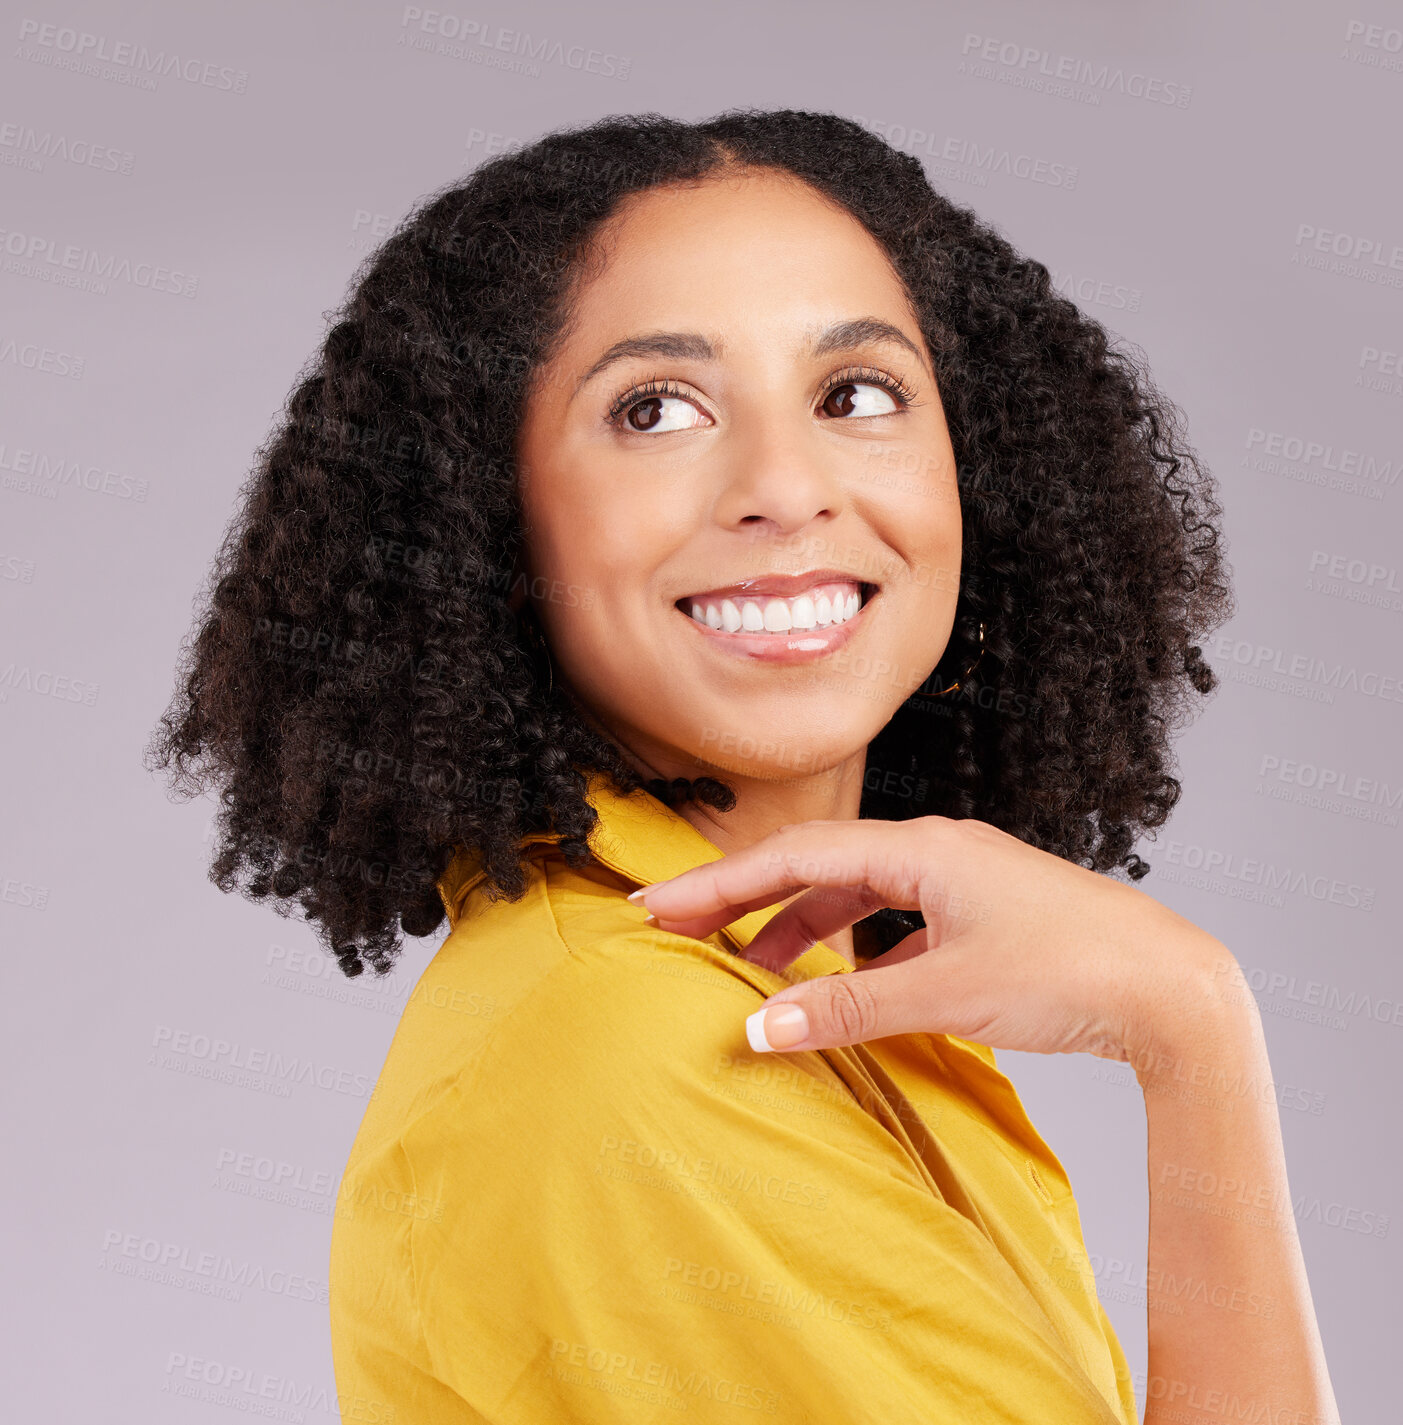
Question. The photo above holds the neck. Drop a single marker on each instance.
(764, 804)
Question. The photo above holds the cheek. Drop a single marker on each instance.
(608, 531)
(567, 532)
(925, 533)
(596, 560)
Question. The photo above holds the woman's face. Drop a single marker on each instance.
(727, 425)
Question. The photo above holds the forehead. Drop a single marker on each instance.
(749, 242)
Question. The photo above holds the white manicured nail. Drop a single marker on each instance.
(788, 1019)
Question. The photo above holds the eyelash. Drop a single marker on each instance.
(866, 375)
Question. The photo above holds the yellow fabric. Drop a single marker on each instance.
(578, 1195)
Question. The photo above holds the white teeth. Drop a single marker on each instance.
(819, 608)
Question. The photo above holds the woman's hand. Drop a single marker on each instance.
(1021, 950)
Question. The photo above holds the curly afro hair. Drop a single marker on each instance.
(362, 693)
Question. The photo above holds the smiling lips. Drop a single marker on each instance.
(817, 607)
(796, 613)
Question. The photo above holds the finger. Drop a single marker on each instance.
(812, 917)
(900, 997)
(852, 853)
(700, 926)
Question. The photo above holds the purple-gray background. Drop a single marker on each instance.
(186, 194)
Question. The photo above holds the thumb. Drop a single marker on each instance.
(819, 1014)
(891, 994)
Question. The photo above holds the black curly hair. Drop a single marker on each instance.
(365, 698)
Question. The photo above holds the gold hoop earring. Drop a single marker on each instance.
(960, 680)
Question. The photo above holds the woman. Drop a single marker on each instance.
(716, 505)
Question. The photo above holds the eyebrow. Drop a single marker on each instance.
(693, 346)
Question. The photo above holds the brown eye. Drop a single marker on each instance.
(652, 413)
(844, 400)
(839, 401)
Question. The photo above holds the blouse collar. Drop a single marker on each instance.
(645, 841)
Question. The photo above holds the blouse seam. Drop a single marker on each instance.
(469, 1072)
(421, 1333)
(464, 1079)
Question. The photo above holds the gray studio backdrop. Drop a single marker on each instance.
(186, 193)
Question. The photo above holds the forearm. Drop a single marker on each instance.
(1232, 1331)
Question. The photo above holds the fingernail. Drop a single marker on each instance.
(786, 1026)
(643, 890)
(648, 917)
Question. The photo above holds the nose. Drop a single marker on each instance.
(776, 482)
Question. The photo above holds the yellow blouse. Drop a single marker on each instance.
(577, 1194)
